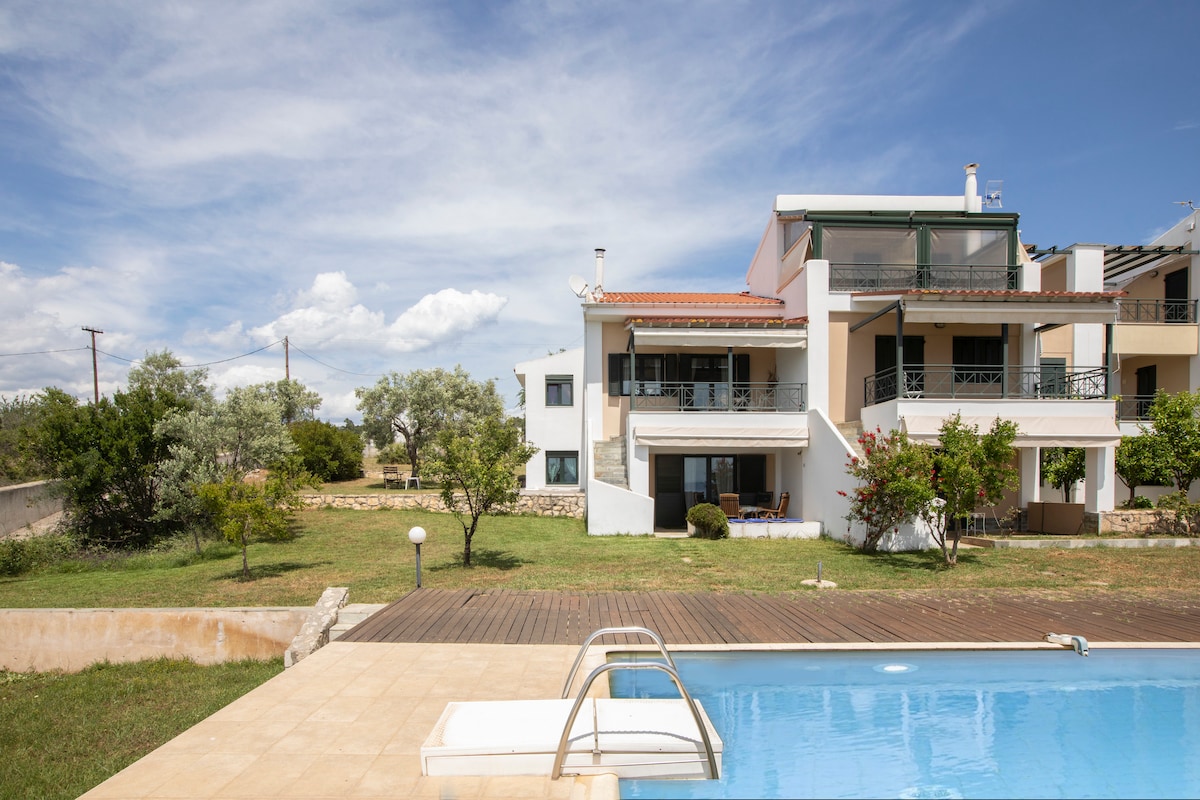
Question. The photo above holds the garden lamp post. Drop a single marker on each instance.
(416, 536)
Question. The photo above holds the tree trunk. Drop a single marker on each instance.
(245, 562)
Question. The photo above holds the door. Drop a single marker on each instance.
(669, 505)
(914, 367)
(1175, 290)
(1147, 385)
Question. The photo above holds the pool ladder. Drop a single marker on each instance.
(668, 667)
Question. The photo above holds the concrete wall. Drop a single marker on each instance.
(551, 428)
(70, 639)
(26, 503)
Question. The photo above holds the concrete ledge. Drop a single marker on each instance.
(1033, 544)
(25, 503)
(41, 639)
(773, 529)
(314, 633)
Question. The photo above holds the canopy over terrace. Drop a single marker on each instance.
(725, 332)
(1031, 431)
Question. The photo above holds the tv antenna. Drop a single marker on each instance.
(992, 191)
(1187, 203)
(578, 285)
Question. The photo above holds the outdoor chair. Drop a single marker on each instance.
(781, 511)
(392, 475)
(730, 505)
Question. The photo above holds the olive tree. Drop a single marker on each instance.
(295, 400)
(420, 404)
(476, 465)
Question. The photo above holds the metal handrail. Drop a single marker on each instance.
(560, 754)
(864, 277)
(1143, 310)
(626, 629)
(717, 396)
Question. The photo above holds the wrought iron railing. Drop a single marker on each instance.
(1157, 311)
(888, 277)
(942, 381)
(1134, 407)
(697, 396)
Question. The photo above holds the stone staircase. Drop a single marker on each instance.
(610, 462)
(852, 430)
(350, 615)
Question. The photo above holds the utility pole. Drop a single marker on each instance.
(95, 374)
(287, 360)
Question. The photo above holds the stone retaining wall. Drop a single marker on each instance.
(1136, 522)
(541, 504)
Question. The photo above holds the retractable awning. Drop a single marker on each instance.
(931, 308)
(1031, 431)
(720, 437)
(774, 336)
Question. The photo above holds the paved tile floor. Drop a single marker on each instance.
(348, 722)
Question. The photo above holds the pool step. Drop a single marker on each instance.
(350, 615)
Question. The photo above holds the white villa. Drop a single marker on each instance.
(859, 312)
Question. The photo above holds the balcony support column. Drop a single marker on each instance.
(1004, 359)
(1108, 359)
(901, 385)
(1031, 489)
(1100, 482)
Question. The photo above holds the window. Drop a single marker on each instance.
(651, 373)
(559, 390)
(978, 359)
(562, 468)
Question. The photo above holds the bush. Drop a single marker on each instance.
(1180, 517)
(1138, 501)
(329, 453)
(19, 556)
(394, 453)
(709, 521)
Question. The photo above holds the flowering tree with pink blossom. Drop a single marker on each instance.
(894, 484)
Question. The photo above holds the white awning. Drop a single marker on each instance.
(721, 337)
(1031, 431)
(1008, 310)
(721, 437)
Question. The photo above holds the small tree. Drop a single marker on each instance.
(894, 484)
(1063, 467)
(1177, 428)
(246, 512)
(968, 471)
(477, 469)
(295, 400)
(1141, 460)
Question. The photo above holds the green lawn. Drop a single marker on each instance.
(369, 552)
(63, 734)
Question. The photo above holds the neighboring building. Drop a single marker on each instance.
(862, 312)
(553, 422)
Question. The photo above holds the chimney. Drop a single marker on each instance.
(599, 271)
(972, 189)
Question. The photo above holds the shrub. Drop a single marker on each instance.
(1138, 501)
(329, 453)
(709, 521)
(1180, 516)
(19, 556)
(393, 453)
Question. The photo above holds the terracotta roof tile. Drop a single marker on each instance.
(688, 298)
(1019, 295)
(758, 322)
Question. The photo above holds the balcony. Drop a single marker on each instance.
(902, 277)
(1134, 408)
(739, 396)
(1158, 311)
(949, 381)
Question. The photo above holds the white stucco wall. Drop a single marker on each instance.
(557, 428)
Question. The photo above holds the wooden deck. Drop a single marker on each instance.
(502, 616)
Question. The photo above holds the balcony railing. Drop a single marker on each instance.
(1158, 311)
(1131, 408)
(891, 277)
(948, 381)
(741, 396)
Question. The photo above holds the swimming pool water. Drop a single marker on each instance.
(944, 724)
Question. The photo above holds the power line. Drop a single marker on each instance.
(194, 366)
(46, 352)
(336, 369)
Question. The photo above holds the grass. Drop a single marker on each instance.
(369, 552)
(63, 734)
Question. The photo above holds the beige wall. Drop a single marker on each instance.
(1171, 373)
(615, 340)
(40, 639)
(1054, 277)
(1059, 343)
(1151, 339)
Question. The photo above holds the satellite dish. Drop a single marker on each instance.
(578, 285)
(992, 194)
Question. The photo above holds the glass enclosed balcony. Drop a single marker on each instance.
(949, 381)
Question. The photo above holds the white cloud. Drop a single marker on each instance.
(327, 313)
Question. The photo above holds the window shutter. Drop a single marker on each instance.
(614, 374)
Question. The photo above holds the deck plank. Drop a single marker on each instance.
(505, 616)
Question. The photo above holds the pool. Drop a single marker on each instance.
(941, 724)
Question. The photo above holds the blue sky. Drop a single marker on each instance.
(397, 186)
